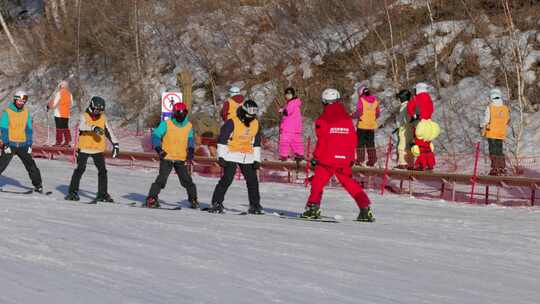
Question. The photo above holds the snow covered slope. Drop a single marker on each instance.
(52, 251)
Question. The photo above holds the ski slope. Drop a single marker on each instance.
(53, 251)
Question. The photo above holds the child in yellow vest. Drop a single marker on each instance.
(494, 125)
(173, 141)
(404, 131)
(62, 103)
(239, 144)
(16, 127)
(93, 132)
(367, 112)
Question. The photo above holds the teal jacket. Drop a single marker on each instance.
(4, 128)
(161, 130)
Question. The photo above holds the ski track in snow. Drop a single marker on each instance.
(53, 251)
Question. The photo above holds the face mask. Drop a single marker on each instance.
(180, 116)
(289, 96)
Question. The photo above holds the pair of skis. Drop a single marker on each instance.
(24, 192)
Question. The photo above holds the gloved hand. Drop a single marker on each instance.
(162, 154)
(29, 150)
(284, 112)
(222, 162)
(115, 151)
(256, 165)
(351, 164)
(313, 162)
(6, 149)
(48, 108)
(190, 154)
(98, 130)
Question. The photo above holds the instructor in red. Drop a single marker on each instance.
(335, 155)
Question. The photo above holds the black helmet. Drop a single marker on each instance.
(290, 90)
(97, 105)
(248, 111)
(404, 95)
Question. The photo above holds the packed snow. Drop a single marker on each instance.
(54, 251)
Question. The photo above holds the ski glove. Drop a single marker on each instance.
(190, 154)
(256, 165)
(115, 151)
(29, 150)
(284, 112)
(313, 163)
(222, 162)
(7, 149)
(98, 130)
(162, 154)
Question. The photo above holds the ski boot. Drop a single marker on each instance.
(312, 212)
(106, 198)
(193, 203)
(72, 196)
(366, 215)
(216, 208)
(38, 189)
(256, 209)
(151, 202)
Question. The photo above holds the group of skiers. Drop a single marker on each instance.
(340, 144)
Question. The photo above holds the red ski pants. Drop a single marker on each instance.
(344, 175)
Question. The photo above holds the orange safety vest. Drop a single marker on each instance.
(368, 120)
(175, 141)
(498, 120)
(64, 105)
(17, 125)
(233, 106)
(91, 141)
(243, 137)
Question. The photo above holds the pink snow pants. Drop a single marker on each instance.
(288, 142)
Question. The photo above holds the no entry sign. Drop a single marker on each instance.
(168, 99)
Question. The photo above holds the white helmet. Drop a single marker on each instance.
(495, 94)
(421, 88)
(21, 95)
(330, 96)
(234, 90)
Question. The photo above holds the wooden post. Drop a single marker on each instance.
(487, 195)
(388, 153)
(475, 173)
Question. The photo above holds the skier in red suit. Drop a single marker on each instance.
(421, 108)
(335, 155)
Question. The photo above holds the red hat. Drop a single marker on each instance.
(180, 107)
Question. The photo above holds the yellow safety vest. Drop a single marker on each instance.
(499, 117)
(233, 106)
(243, 137)
(17, 125)
(175, 141)
(368, 120)
(64, 105)
(90, 140)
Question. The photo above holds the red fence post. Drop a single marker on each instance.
(475, 173)
(388, 153)
(308, 161)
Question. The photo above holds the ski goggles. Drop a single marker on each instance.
(251, 111)
(23, 98)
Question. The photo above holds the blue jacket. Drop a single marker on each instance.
(161, 130)
(4, 128)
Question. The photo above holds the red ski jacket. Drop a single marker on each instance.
(336, 137)
(421, 105)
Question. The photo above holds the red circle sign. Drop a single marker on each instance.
(169, 100)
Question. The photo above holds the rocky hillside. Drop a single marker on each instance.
(131, 51)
